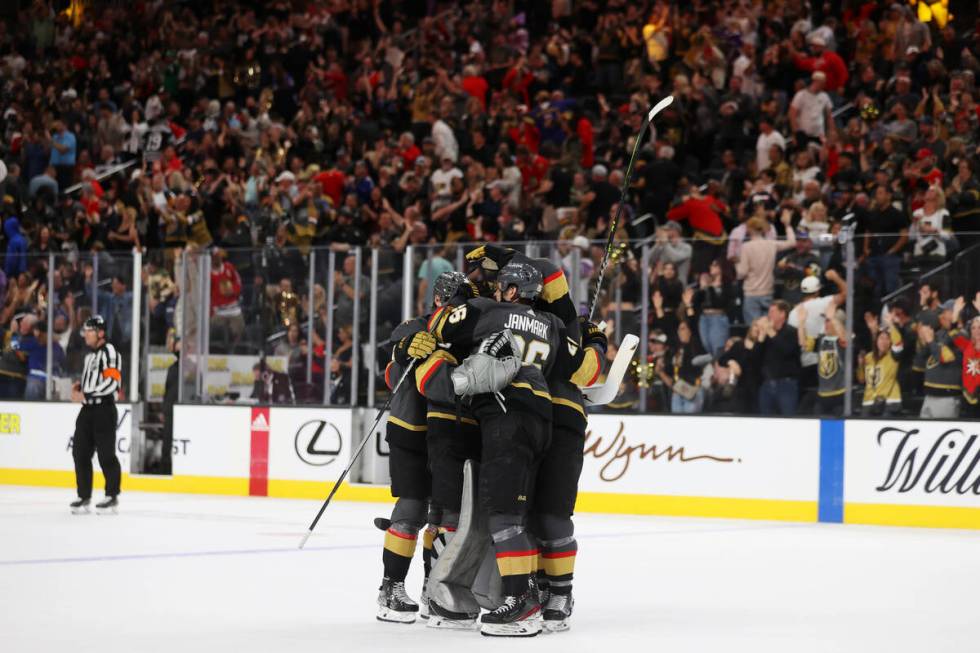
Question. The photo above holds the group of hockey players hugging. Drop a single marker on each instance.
(494, 379)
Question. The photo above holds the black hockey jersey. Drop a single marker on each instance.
(541, 337)
(407, 409)
(555, 299)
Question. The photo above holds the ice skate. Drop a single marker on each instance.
(557, 610)
(440, 617)
(81, 507)
(518, 616)
(110, 506)
(394, 604)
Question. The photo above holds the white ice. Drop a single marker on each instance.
(180, 574)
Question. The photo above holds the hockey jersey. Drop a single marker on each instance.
(407, 410)
(555, 299)
(941, 361)
(542, 341)
(971, 368)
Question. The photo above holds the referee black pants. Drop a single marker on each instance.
(95, 432)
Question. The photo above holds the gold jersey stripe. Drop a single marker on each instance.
(588, 371)
(555, 287)
(418, 428)
(528, 386)
(568, 403)
(450, 417)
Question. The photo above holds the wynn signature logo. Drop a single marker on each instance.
(908, 466)
(619, 454)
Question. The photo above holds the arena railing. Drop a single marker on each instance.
(312, 325)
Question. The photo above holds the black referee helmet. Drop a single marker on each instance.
(94, 323)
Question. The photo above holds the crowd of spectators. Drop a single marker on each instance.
(257, 132)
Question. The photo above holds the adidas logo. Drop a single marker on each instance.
(260, 423)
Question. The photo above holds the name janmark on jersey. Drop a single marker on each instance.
(526, 324)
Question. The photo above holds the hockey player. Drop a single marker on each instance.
(408, 461)
(514, 422)
(408, 467)
(453, 437)
(556, 488)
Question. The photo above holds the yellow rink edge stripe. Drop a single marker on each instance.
(591, 502)
(637, 504)
(884, 514)
(681, 506)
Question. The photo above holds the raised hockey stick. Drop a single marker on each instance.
(357, 453)
(600, 395)
(660, 106)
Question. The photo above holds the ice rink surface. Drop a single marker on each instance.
(181, 573)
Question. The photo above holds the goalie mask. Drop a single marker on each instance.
(447, 285)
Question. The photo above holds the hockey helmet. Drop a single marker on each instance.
(447, 284)
(526, 278)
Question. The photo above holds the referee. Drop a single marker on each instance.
(95, 428)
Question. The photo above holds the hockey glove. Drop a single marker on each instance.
(481, 373)
(490, 257)
(417, 345)
(593, 336)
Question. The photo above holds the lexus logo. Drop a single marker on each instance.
(318, 442)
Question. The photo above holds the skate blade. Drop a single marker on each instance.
(85, 510)
(107, 511)
(435, 621)
(391, 616)
(555, 626)
(525, 628)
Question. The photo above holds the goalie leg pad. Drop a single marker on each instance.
(453, 572)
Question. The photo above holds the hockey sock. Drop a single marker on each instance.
(558, 561)
(398, 551)
(515, 561)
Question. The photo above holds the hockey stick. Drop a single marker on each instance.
(357, 453)
(660, 106)
(600, 395)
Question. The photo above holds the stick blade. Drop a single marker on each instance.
(302, 542)
(660, 106)
(601, 395)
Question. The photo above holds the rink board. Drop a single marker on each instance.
(907, 473)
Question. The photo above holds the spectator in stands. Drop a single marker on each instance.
(886, 233)
(778, 356)
(756, 265)
(880, 372)
(930, 232)
(64, 149)
(969, 344)
(227, 320)
(714, 301)
(670, 247)
(810, 111)
(15, 262)
(942, 362)
(831, 349)
(822, 59)
(681, 374)
(36, 348)
(703, 212)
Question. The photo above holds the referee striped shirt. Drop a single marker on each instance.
(101, 377)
